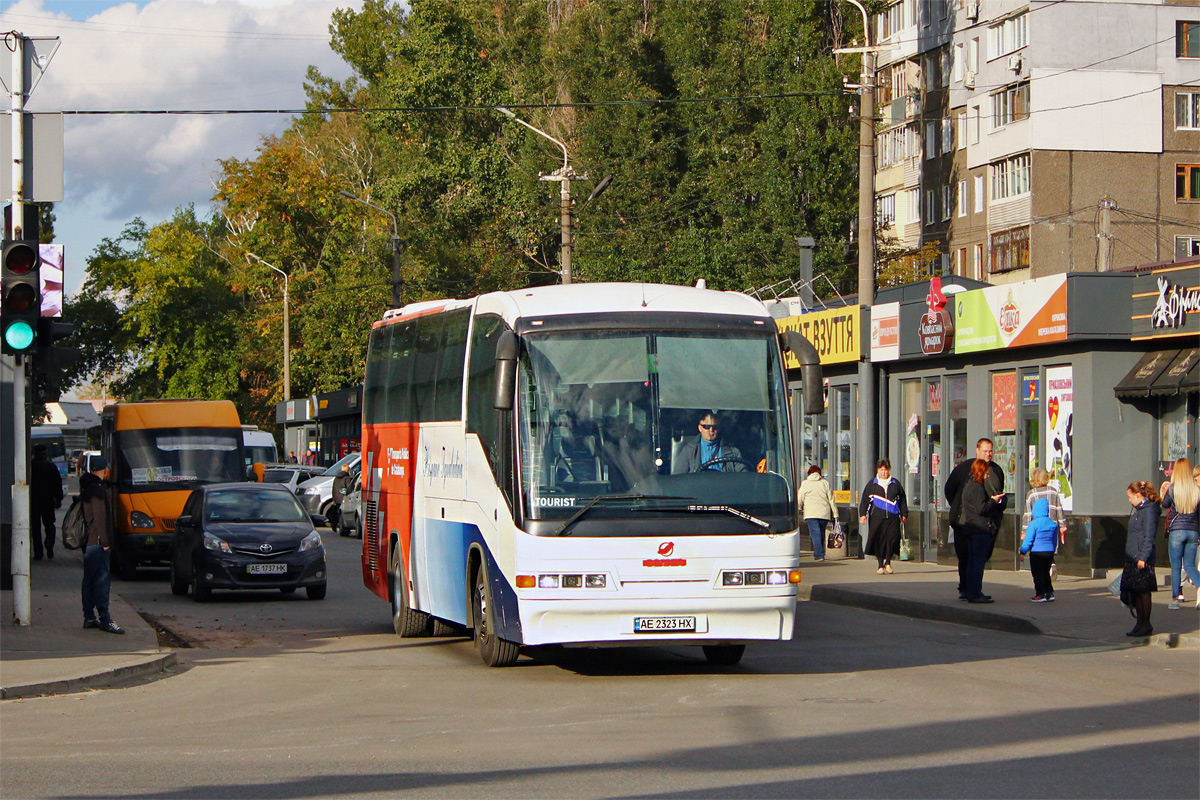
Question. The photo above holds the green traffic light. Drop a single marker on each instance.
(19, 335)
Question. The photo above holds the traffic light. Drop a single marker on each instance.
(50, 360)
(22, 297)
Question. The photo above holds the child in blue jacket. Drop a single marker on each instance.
(1041, 538)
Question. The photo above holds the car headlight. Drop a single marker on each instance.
(139, 519)
(213, 543)
(310, 542)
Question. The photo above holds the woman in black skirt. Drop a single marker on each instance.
(884, 504)
(1138, 577)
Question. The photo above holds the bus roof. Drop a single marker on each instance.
(45, 430)
(174, 414)
(592, 298)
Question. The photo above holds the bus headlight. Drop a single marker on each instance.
(140, 519)
(547, 581)
(213, 543)
(768, 577)
(595, 582)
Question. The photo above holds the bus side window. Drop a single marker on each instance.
(481, 383)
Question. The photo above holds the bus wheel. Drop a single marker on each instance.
(408, 622)
(445, 630)
(494, 651)
(724, 655)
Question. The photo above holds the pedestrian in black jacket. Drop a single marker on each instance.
(959, 477)
(976, 509)
(885, 505)
(1138, 578)
(45, 497)
(97, 549)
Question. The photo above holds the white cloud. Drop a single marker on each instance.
(166, 55)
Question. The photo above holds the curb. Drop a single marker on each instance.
(100, 680)
(921, 609)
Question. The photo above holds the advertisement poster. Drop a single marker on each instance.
(885, 332)
(833, 331)
(1059, 430)
(1004, 453)
(51, 278)
(1004, 402)
(1014, 315)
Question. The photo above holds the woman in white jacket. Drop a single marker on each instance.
(817, 507)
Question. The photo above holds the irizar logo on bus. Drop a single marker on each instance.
(396, 461)
(450, 467)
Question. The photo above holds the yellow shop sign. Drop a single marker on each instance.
(834, 332)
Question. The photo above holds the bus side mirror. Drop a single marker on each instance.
(259, 471)
(507, 349)
(811, 377)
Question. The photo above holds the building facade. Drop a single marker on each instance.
(1022, 139)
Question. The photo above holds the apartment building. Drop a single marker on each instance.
(1023, 139)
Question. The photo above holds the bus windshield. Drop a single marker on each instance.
(656, 424)
(174, 458)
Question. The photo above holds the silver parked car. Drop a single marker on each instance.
(351, 522)
(290, 475)
(316, 494)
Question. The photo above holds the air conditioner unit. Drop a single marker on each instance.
(972, 10)
(969, 79)
(1014, 62)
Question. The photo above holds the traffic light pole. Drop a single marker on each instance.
(20, 489)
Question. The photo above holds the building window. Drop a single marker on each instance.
(960, 268)
(930, 206)
(947, 134)
(978, 194)
(961, 129)
(1010, 104)
(931, 148)
(973, 55)
(914, 206)
(977, 263)
(896, 145)
(1010, 177)
(946, 204)
(1187, 247)
(1010, 249)
(961, 202)
(1187, 39)
(1187, 182)
(885, 210)
(958, 63)
(1187, 110)
(1010, 35)
(897, 17)
(976, 123)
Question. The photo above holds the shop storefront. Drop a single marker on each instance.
(339, 424)
(1047, 369)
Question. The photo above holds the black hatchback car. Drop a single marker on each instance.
(246, 536)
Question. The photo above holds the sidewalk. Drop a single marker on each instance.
(55, 655)
(1083, 609)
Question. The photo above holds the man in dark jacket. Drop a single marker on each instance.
(708, 448)
(45, 496)
(994, 484)
(97, 548)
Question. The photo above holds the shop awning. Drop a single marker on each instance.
(1139, 382)
(1183, 375)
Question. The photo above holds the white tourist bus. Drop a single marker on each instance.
(531, 470)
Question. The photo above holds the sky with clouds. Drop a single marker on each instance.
(164, 55)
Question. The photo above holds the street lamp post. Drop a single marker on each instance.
(395, 245)
(287, 341)
(564, 175)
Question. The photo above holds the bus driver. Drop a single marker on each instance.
(707, 447)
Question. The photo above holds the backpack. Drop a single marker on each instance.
(74, 529)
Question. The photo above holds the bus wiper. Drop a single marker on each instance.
(565, 528)
(737, 512)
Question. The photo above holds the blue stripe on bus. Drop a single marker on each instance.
(446, 546)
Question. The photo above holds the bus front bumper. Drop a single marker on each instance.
(635, 622)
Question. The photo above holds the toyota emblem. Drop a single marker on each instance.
(666, 549)
(264, 548)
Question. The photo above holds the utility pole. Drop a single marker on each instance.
(20, 488)
(867, 428)
(564, 175)
(1104, 239)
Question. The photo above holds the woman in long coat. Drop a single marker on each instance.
(1138, 578)
(975, 522)
(883, 509)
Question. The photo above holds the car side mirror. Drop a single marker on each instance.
(183, 521)
(318, 520)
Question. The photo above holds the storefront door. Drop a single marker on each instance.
(931, 457)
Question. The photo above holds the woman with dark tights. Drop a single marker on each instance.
(1138, 579)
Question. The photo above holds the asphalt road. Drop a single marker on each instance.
(280, 696)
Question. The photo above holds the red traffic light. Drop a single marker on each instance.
(19, 258)
(20, 298)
